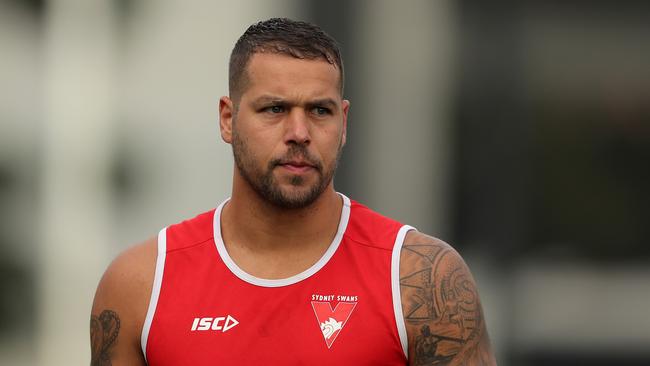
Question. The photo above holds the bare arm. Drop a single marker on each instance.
(120, 306)
(442, 310)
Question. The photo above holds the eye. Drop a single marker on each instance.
(321, 111)
(275, 109)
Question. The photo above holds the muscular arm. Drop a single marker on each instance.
(442, 311)
(120, 306)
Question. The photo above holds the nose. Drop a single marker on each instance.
(297, 127)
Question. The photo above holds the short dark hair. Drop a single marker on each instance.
(285, 36)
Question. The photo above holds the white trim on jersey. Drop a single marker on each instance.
(244, 276)
(155, 290)
(395, 287)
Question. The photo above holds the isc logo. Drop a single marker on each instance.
(219, 323)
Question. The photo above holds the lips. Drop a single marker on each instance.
(297, 166)
(297, 163)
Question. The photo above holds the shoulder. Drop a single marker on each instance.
(130, 272)
(416, 241)
(190, 232)
(426, 254)
(121, 303)
(441, 306)
(371, 228)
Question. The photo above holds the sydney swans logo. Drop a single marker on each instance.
(332, 320)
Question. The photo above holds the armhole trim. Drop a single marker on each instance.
(155, 290)
(395, 287)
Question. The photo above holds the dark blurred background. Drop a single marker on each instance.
(518, 131)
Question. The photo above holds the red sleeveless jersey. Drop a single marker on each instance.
(344, 310)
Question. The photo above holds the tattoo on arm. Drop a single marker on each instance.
(442, 308)
(103, 335)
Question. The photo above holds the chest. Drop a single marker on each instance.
(341, 315)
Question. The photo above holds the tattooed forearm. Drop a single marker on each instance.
(103, 335)
(441, 308)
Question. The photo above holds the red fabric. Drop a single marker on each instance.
(277, 325)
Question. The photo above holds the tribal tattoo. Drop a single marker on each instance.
(103, 335)
(441, 308)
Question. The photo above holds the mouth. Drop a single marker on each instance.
(296, 166)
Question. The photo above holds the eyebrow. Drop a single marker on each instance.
(328, 102)
(267, 99)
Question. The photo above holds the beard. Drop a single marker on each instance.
(267, 186)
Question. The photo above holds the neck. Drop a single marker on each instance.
(250, 221)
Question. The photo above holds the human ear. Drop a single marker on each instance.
(226, 114)
(346, 108)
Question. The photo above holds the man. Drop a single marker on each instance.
(288, 271)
